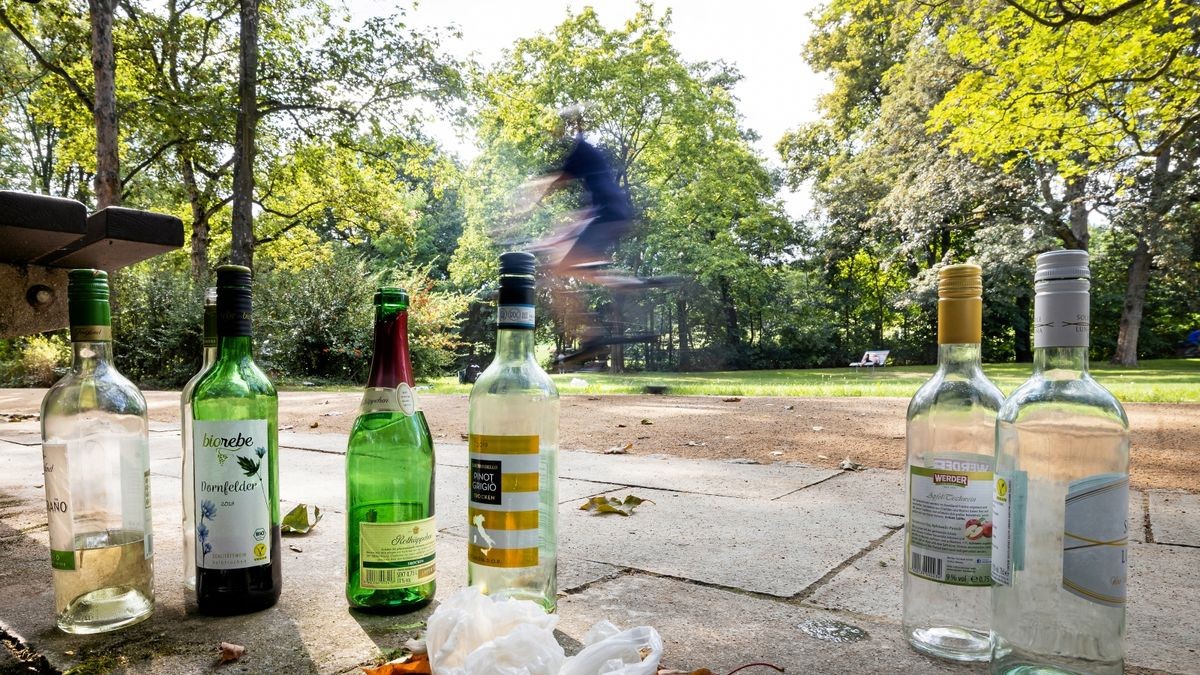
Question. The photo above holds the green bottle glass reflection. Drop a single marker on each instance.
(390, 531)
(235, 468)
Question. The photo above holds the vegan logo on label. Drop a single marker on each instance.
(260, 550)
(1001, 489)
(950, 478)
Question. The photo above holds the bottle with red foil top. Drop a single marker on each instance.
(390, 529)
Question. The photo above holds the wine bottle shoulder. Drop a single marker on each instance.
(234, 378)
(1073, 398)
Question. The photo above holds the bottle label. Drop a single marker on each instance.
(1008, 526)
(91, 333)
(135, 489)
(1095, 536)
(514, 316)
(503, 513)
(385, 399)
(396, 555)
(58, 506)
(1060, 320)
(949, 522)
(232, 478)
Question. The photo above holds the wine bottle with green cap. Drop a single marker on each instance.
(1060, 501)
(512, 539)
(235, 468)
(390, 528)
(96, 458)
(185, 404)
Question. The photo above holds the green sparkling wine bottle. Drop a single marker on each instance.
(235, 469)
(390, 529)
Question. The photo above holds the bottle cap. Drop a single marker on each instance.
(87, 285)
(1065, 264)
(960, 281)
(517, 263)
(390, 295)
(960, 304)
(233, 276)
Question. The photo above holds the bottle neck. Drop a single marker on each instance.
(959, 358)
(234, 347)
(514, 344)
(390, 362)
(210, 355)
(1062, 362)
(86, 356)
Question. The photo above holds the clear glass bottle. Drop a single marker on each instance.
(235, 437)
(1061, 497)
(96, 455)
(513, 447)
(185, 417)
(951, 431)
(390, 530)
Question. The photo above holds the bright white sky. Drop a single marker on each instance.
(763, 38)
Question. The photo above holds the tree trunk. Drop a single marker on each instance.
(618, 350)
(733, 333)
(1139, 267)
(1077, 216)
(685, 335)
(242, 251)
(104, 104)
(199, 220)
(1021, 330)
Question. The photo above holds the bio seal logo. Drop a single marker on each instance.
(950, 479)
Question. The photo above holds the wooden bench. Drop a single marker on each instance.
(876, 358)
(42, 237)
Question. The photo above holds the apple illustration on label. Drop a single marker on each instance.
(976, 528)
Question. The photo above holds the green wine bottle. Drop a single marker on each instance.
(389, 478)
(235, 430)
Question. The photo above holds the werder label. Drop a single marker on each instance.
(514, 316)
(950, 526)
(58, 505)
(397, 555)
(233, 501)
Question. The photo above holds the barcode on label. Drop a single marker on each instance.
(927, 566)
(391, 578)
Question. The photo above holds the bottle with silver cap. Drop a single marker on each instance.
(1060, 497)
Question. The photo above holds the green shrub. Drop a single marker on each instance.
(35, 361)
(158, 318)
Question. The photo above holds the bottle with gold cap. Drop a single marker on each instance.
(950, 432)
(96, 457)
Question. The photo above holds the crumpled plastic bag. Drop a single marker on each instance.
(611, 651)
(471, 634)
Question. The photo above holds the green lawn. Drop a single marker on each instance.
(1161, 381)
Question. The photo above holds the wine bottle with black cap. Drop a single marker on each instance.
(513, 451)
(235, 469)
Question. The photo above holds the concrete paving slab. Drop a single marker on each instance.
(1175, 517)
(1162, 622)
(766, 481)
(720, 630)
(763, 546)
(331, 443)
(880, 490)
(869, 586)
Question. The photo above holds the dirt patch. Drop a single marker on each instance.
(815, 431)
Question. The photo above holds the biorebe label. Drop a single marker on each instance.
(233, 500)
(396, 555)
(950, 525)
(503, 514)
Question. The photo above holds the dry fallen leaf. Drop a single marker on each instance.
(623, 507)
(314, 425)
(647, 422)
(818, 428)
(287, 426)
(694, 444)
(776, 453)
(227, 651)
(850, 465)
(822, 456)
(789, 407)
(464, 436)
(731, 399)
(414, 663)
(619, 449)
(620, 426)
(296, 548)
(299, 520)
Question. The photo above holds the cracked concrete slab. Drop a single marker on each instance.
(1175, 518)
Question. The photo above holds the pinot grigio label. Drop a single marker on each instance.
(514, 316)
(58, 506)
(232, 478)
(386, 399)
